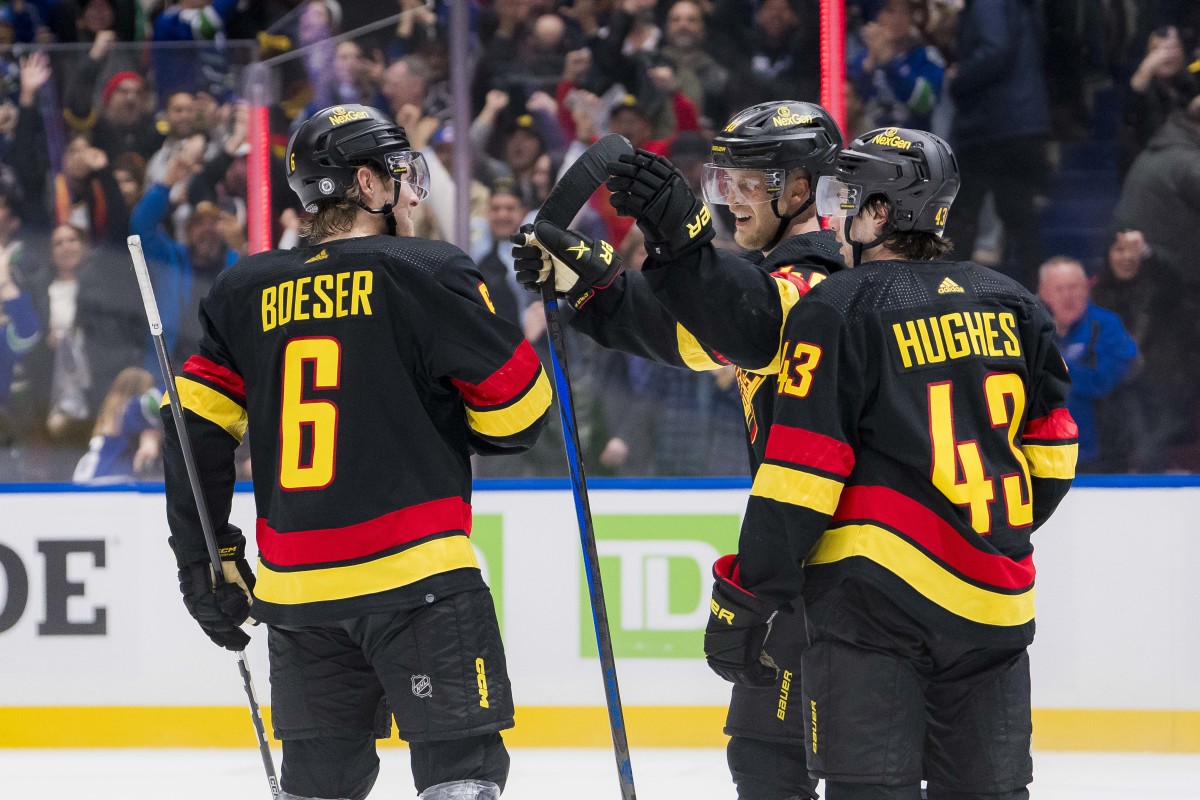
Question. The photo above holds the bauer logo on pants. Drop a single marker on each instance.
(657, 572)
(422, 686)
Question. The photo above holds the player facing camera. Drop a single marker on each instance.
(764, 164)
(352, 157)
(892, 187)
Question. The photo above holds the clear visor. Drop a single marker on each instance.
(838, 199)
(409, 168)
(723, 186)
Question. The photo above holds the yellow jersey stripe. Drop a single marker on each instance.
(1051, 461)
(212, 405)
(356, 580)
(516, 417)
(923, 574)
(692, 352)
(797, 488)
(789, 295)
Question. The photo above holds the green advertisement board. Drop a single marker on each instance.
(657, 572)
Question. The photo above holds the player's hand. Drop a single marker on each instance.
(650, 189)
(581, 266)
(738, 626)
(220, 611)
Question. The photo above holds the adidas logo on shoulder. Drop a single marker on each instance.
(321, 256)
(948, 286)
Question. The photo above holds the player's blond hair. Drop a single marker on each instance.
(336, 216)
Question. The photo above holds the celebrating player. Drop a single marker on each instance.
(765, 165)
(919, 437)
(368, 367)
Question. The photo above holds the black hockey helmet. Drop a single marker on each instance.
(326, 151)
(915, 171)
(753, 154)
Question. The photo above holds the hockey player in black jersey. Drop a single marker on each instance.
(765, 166)
(919, 437)
(368, 367)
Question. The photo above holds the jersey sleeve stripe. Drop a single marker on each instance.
(808, 449)
(363, 539)
(796, 488)
(370, 577)
(934, 535)
(923, 574)
(1051, 461)
(1057, 427)
(789, 288)
(505, 383)
(210, 404)
(693, 353)
(517, 416)
(214, 373)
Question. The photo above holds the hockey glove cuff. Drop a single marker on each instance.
(650, 189)
(738, 626)
(222, 610)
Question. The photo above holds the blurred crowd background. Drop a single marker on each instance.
(1076, 124)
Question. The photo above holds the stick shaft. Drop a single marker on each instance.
(185, 445)
(587, 535)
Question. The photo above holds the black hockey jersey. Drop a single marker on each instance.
(366, 369)
(628, 317)
(920, 436)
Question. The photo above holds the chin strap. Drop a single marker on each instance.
(858, 247)
(386, 208)
(785, 220)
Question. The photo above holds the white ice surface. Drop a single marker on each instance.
(536, 775)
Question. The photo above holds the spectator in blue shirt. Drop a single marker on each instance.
(182, 272)
(897, 77)
(1093, 342)
(19, 327)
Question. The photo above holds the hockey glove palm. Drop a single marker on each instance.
(581, 266)
(220, 611)
(650, 189)
(738, 626)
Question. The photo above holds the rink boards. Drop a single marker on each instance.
(99, 652)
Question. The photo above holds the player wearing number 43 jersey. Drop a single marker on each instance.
(920, 436)
(367, 367)
(765, 166)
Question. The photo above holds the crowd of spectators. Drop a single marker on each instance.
(124, 116)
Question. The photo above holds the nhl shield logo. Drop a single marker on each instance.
(422, 686)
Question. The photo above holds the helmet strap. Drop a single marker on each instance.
(858, 247)
(785, 220)
(386, 208)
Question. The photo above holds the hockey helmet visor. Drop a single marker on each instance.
(837, 198)
(409, 168)
(728, 186)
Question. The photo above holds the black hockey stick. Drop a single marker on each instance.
(568, 196)
(185, 445)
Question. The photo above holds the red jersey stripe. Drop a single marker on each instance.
(214, 373)
(1058, 424)
(325, 545)
(807, 449)
(934, 534)
(505, 383)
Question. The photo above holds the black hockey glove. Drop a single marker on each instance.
(220, 612)
(738, 626)
(581, 266)
(650, 189)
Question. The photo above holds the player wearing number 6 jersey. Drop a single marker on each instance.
(919, 437)
(368, 367)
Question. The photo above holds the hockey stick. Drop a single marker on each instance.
(561, 206)
(185, 445)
